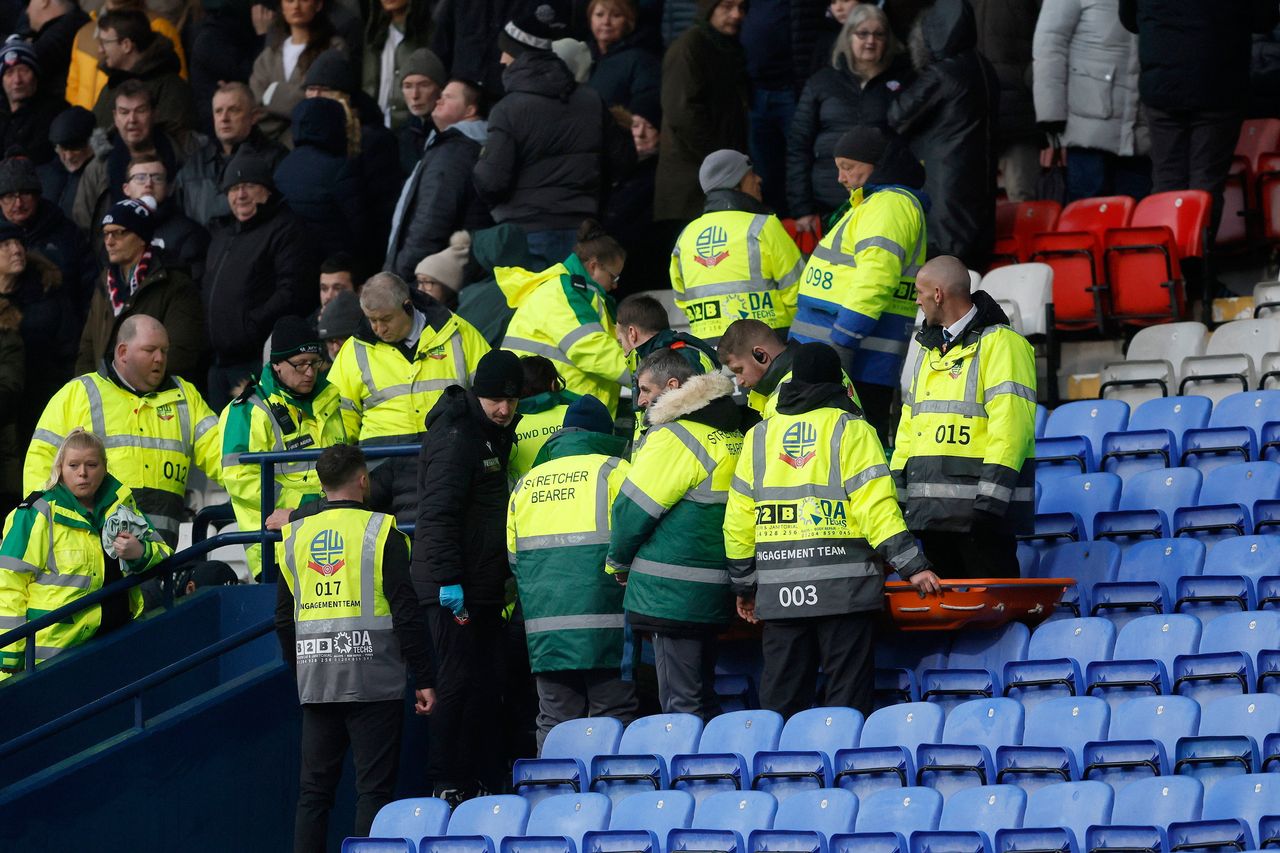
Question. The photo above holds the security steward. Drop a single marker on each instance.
(392, 373)
(857, 292)
(557, 539)
(291, 407)
(543, 405)
(810, 529)
(156, 426)
(736, 260)
(761, 362)
(348, 622)
(964, 455)
(666, 544)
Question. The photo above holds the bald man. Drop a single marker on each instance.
(963, 461)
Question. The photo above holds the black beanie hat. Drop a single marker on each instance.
(72, 128)
(863, 143)
(247, 168)
(535, 29)
(499, 375)
(135, 216)
(293, 336)
(332, 71)
(18, 175)
(588, 413)
(815, 363)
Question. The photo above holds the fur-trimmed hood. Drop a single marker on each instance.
(702, 398)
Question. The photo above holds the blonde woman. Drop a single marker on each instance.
(54, 552)
(622, 71)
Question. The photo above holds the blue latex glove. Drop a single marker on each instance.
(451, 597)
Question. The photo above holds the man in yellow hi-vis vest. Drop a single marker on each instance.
(348, 621)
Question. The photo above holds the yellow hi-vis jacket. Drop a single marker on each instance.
(966, 440)
(267, 416)
(385, 397)
(812, 517)
(152, 439)
(52, 555)
(764, 396)
(564, 315)
(732, 264)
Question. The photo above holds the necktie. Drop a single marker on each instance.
(946, 340)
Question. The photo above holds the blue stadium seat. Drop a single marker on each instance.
(398, 825)
(1089, 563)
(974, 665)
(723, 821)
(1266, 515)
(1232, 730)
(971, 818)
(1069, 506)
(1073, 435)
(1238, 565)
(640, 823)
(1154, 435)
(1148, 505)
(1143, 810)
(1028, 560)
(805, 821)
(1225, 505)
(886, 819)
(1053, 742)
(479, 825)
(1142, 739)
(726, 753)
(1056, 659)
(566, 756)
(557, 824)
(1224, 664)
(1143, 656)
(901, 657)
(1148, 575)
(1232, 814)
(1233, 432)
(806, 750)
(885, 755)
(644, 754)
(1042, 419)
(1057, 817)
(970, 737)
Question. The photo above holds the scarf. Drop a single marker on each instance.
(119, 290)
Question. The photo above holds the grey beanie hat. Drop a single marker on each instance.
(426, 64)
(723, 170)
(341, 318)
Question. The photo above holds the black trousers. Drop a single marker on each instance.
(877, 405)
(1191, 149)
(983, 552)
(372, 731)
(794, 648)
(466, 726)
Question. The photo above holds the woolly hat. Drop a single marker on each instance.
(16, 51)
(814, 363)
(576, 55)
(863, 143)
(426, 64)
(72, 128)
(723, 170)
(135, 216)
(446, 265)
(647, 105)
(18, 175)
(341, 318)
(536, 29)
(588, 413)
(9, 231)
(332, 71)
(498, 375)
(247, 168)
(292, 336)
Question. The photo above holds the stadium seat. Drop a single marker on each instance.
(1016, 226)
(1069, 506)
(557, 824)
(1053, 742)
(1154, 436)
(1247, 180)
(1073, 436)
(1144, 259)
(1089, 563)
(1141, 812)
(974, 664)
(1153, 363)
(1224, 664)
(726, 752)
(1042, 420)
(1225, 505)
(1233, 432)
(1057, 817)
(566, 756)
(1239, 565)
(1148, 504)
(805, 821)
(806, 750)
(1056, 658)
(1142, 739)
(723, 821)
(644, 755)
(1143, 657)
(479, 825)
(1232, 815)
(1027, 289)
(640, 823)
(1269, 197)
(399, 825)
(1074, 250)
(885, 755)
(886, 819)
(973, 731)
(970, 819)
(1232, 733)
(899, 663)
(1231, 358)
(1148, 575)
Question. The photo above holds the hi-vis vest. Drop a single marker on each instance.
(346, 648)
(966, 440)
(385, 397)
(540, 416)
(858, 289)
(731, 265)
(811, 499)
(152, 440)
(557, 539)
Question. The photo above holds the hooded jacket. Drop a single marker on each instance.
(319, 182)
(553, 149)
(482, 303)
(159, 69)
(949, 118)
(625, 73)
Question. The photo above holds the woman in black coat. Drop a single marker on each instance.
(319, 181)
(863, 75)
(621, 70)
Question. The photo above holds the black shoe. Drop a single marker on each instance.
(453, 796)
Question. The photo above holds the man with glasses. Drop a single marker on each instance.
(131, 50)
(181, 240)
(291, 407)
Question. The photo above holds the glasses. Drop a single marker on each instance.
(878, 35)
(15, 196)
(310, 365)
(103, 41)
(157, 178)
(112, 236)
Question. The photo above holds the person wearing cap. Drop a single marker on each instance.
(60, 178)
(396, 44)
(52, 26)
(86, 76)
(131, 50)
(810, 529)
(666, 546)
(339, 320)
(553, 150)
(28, 109)
(422, 80)
(439, 197)
(440, 275)
(291, 406)
(297, 37)
(137, 280)
(736, 260)
(261, 266)
(858, 289)
(460, 569)
(558, 525)
(181, 241)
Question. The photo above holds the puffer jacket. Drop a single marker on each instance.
(1086, 74)
(553, 149)
(626, 72)
(159, 69)
(85, 77)
(321, 184)
(1005, 35)
(54, 44)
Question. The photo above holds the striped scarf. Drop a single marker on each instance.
(119, 290)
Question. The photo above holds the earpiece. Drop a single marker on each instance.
(408, 307)
(759, 356)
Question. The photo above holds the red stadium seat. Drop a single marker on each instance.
(1269, 196)
(806, 241)
(1143, 261)
(1016, 227)
(1074, 251)
(1240, 198)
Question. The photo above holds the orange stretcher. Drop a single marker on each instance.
(973, 603)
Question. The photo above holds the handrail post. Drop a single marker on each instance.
(267, 553)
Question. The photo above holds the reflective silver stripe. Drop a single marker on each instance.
(832, 255)
(749, 579)
(837, 242)
(880, 242)
(905, 557)
(167, 523)
(795, 493)
(834, 483)
(993, 490)
(96, 415)
(42, 506)
(866, 475)
(754, 265)
(971, 381)
(758, 459)
(816, 573)
(569, 623)
(740, 486)
(893, 347)
(460, 360)
(792, 276)
(952, 491)
(1017, 389)
(651, 507)
(704, 495)
(391, 392)
(949, 407)
(46, 652)
(10, 622)
(812, 330)
(230, 459)
(14, 564)
(47, 437)
(347, 405)
(146, 442)
(368, 571)
(184, 425)
(603, 504)
(642, 566)
(726, 288)
(535, 347)
(73, 581)
(692, 444)
(208, 423)
(366, 371)
(290, 563)
(567, 342)
(911, 269)
(562, 540)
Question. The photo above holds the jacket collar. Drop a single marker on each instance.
(778, 368)
(728, 199)
(546, 401)
(107, 370)
(989, 314)
(572, 441)
(697, 400)
(798, 398)
(105, 498)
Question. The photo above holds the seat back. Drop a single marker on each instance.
(1162, 718)
(1083, 494)
(1160, 800)
(823, 729)
(907, 725)
(986, 722)
(1177, 414)
(1249, 632)
(570, 815)
(1161, 636)
(1073, 805)
(825, 810)
(1269, 196)
(1090, 418)
(1162, 560)
(411, 818)
(1142, 265)
(1029, 286)
(1253, 714)
(740, 811)
(1248, 798)
(661, 734)
(1068, 722)
(985, 809)
(660, 811)
(1242, 483)
(990, 649)
(1184, 212)
(1087, 562)
(1254, 338)
(1087, 639)
(903, 810)
(496, 816)
(1096, 215)
(1251, 556)
(1172, 342)
(742, 732)
(1248, 409)
(1258, 137)
(1164, 489)
(583, 738)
